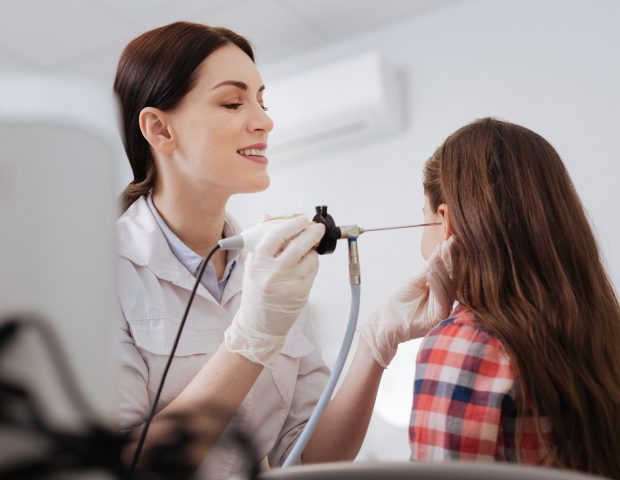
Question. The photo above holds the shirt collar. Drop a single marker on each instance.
(188, 258)
(142, 242)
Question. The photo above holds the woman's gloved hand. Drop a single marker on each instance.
(414, 309)
(276, 284)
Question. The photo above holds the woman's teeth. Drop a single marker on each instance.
(252, 151)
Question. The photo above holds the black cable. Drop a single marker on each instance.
(149, 419)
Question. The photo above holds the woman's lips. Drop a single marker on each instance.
(256, 158)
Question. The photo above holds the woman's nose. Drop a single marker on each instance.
(261, 121)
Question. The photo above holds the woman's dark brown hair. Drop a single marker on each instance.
(157, 69)
(528, 265)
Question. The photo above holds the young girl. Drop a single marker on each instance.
(527, 367)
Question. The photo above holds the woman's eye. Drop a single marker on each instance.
(232, 106)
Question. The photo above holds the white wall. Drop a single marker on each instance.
(552, 66)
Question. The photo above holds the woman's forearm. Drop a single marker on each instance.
(343, 426)
(207, 403)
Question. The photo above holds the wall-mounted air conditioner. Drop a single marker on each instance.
(338, 105)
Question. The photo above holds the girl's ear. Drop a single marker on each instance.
(442, 210)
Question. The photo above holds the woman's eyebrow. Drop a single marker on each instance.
(234, 83)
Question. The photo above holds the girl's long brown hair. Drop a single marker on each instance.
(528, 265)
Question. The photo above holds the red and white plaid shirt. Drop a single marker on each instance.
(464, 404)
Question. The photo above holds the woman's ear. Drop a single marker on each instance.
(442, 211)
(156, 130)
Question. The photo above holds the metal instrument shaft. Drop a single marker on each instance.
(364, 230)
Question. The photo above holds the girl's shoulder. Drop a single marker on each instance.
(464, 333)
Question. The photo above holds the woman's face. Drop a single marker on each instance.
(432, 235)
(221, 127)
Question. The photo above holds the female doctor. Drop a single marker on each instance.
(195, 132)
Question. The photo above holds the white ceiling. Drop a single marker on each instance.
(87, 36)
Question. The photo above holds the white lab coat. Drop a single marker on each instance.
(154, 288)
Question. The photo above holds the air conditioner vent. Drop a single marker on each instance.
(341, 104)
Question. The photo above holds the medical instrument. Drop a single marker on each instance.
(364, 230)
(247, 240)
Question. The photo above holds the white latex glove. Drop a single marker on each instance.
(276, 284)
(419, 304)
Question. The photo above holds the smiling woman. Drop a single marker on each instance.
(195, 132)
(212, 108)
(214, 124)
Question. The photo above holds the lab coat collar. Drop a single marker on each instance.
(141, 241)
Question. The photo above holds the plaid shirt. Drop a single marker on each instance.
(464, 404)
